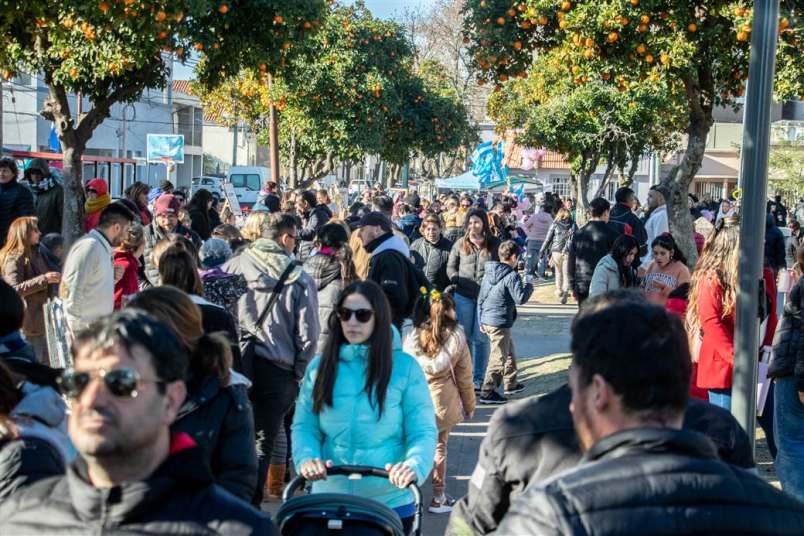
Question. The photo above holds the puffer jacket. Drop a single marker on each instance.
(326, 273)
(644, 480)
(449, 376)
(501, 291)
(314, 220)
(27, 276)
(432, 260)
(465, 270)
(15, 201)
(221, 422)
(352, 431)
(409, 224)
(558, 237)
(533, 439)
(788, 343)
(153, 234)
(288, 336)
(179, 497)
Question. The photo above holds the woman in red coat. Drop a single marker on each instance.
(710, 316)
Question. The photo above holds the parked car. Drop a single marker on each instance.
(247, 182)
(210, 184)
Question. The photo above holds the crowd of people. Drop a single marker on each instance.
(212, 359)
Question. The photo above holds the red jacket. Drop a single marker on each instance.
(716, 357)
(129, 284)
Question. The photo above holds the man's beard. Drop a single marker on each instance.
(583, 427)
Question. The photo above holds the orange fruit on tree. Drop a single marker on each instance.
(163, 34)
(179, 16)
(279, 19)
(563, 24)
(606, 76)
(503, 77)
(641, 48)
(160, 16)
(566, 6)
(576, 69)
(692, 27)
(649, 58)
(286, 46)
(307, 25)
(104, 6)
(560, 15)
(517, 45)
(784, 23)
(742, 36)
(625, 21)
(642, 28)
(223, 9)
(216, 46)
(589, 42)
(511, 12)
(525, 25)
(481, 82)
(7, 74)
(644, 19)
(199, 46)
(739, 11)
(612, 37)
(746, 27)
(634, 3)
(500, 21)
(262, 67)
(542, 20)
(665, 59)
(588, 53)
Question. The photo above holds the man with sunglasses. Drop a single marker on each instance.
(132, 475)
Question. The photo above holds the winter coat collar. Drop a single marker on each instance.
(388, 242)
(652, 441)
(272, 259)
(199, 392)
(609, 263)
(324, 269)
(497, 271)
(185, 468)
(41, 403)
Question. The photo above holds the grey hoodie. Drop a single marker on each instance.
(606, 276)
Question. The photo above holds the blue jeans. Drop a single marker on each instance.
(469, 319)
(788, 423)
(720, 397)
(534, 264)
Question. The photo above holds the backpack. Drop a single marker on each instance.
(415, 281)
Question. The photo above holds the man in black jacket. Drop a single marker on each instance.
(622, 212)
(641, 473)
(132, 475)
(315, 216)
(589, 244)
(389, 265)
(530, 440)
(15, 199)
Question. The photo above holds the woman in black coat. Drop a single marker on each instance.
(198, 208)
(217, 413)
(430, 253)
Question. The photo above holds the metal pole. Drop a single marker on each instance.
(234, 145)
(753, 179)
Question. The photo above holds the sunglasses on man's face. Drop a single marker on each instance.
(362, 315)
(121, 382)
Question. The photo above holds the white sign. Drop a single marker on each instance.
(165, 146)
(231, 198)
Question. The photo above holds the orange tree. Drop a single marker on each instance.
(353, 91)
(110, 51)
(697, 48)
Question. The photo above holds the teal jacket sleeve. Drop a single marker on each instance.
(420, 426)
(306, 436)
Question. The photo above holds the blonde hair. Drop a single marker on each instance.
(719, 259)
(18, 241)
(252, 229)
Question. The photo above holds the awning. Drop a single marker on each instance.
(467, 181)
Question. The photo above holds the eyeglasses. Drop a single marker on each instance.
(466, 205)
(121, 382)
(362, 315)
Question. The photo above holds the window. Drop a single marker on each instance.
(561, 185)
(249, 182)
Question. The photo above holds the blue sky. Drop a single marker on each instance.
(384, 9)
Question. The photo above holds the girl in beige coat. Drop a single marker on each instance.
(439, 345)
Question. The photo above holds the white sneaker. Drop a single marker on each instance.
(441, 505)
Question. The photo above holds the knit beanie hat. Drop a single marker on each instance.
(166, 204)
(214, 252)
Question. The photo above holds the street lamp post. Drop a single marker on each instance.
(753, 181)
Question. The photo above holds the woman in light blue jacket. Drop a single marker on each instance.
(365, 402)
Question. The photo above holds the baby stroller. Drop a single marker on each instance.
(342, 514)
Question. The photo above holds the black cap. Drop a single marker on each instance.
(375, 218)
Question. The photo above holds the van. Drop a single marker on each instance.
(247, 182)
(210, 184)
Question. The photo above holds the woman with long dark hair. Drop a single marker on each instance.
(465, 269)
(198, 209)
(616, 270)
(364, 401)
(137, 193)
(216, 412)
(667, 271)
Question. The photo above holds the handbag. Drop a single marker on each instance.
(248, 341)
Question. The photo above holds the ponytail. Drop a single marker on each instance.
(212, 356)
(433, 322)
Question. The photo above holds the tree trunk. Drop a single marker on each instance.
(73, 216)
(678, 183)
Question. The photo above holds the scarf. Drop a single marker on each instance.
(96, 205)
(43, 185)
(273, 259)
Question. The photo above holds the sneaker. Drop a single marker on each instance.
(441, 505)
(477, 387)
(518, 388)
(564, 297)
(493, 398)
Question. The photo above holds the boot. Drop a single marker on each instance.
(275, 483)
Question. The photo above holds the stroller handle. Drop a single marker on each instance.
(362, 470)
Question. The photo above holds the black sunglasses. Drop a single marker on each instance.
(362, 315)
(121, 382)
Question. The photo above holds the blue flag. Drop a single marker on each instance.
(53, 139)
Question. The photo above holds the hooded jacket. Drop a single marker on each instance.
(409, 224)
(315, 220)
(220, 421)
(326, 273)
(449, 376)
(589, 244)
(180, 497)
(15, 201)
(48, 197)
(644, 480)
(389, 267)
(288, 336)
(351, 431)
(465, 270)
(606, 277)
(558, 236)
(432, 260)
(530, 440)
(501, 291)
